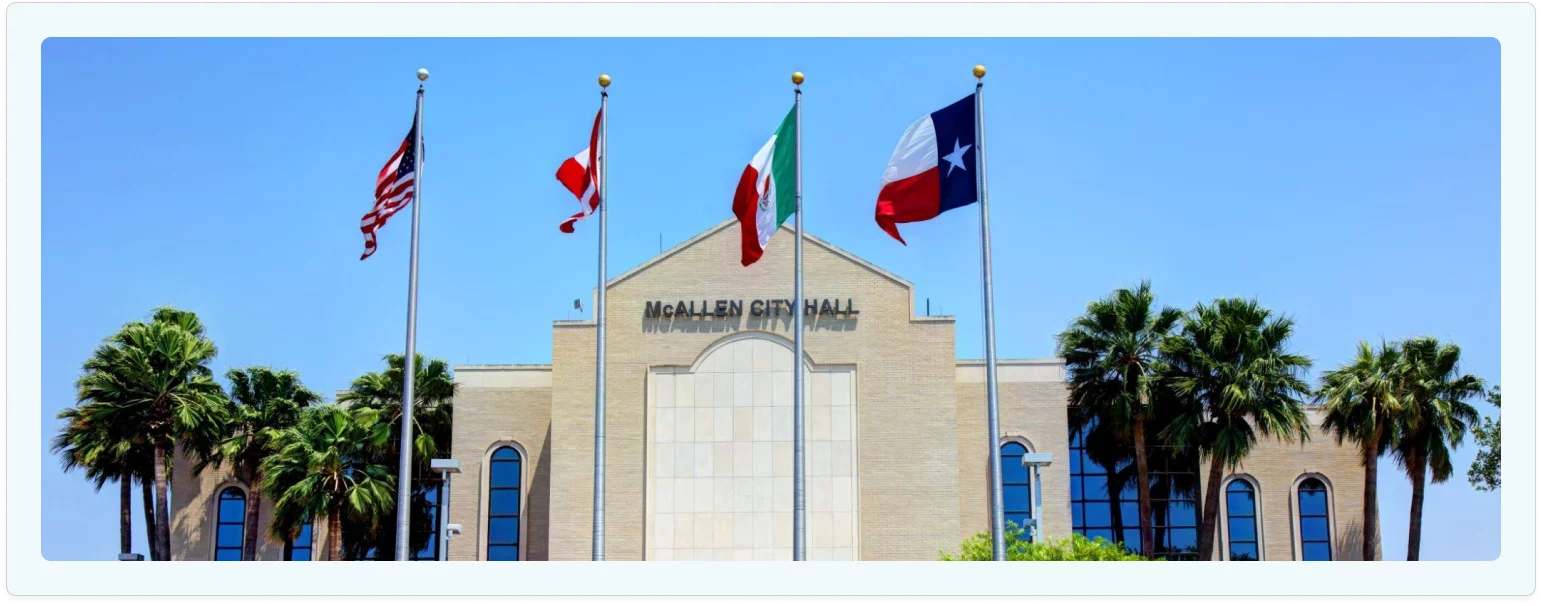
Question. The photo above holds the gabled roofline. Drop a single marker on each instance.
(728, 223)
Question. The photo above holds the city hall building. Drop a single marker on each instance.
(699, 430)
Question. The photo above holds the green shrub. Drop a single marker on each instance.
(1075, 548)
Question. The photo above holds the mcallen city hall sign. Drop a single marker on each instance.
(761, 308)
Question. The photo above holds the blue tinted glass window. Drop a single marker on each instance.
(1012, 469)
(431, 543)
(503, 505)
(1316, 536)
(1241, 522)
(1017, 502)
(1132, 539)
(230, 527)
(1096, 514)
(299, 548)
(1104, 498)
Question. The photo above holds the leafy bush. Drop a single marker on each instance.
(1075, 548)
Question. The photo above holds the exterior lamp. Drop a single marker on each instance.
(445, 467)
(1033, 461)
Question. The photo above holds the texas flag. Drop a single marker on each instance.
(933, 169)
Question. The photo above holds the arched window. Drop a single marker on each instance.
(230, 525)
(1241, 522)
(1316, 535)
(1016, 495)
(503, 505)
(298, 549)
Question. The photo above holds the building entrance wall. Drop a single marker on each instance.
(720, 437)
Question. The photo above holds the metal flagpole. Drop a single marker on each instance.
(409, 363)
(998, 518)
(799, 497)
(602, 172)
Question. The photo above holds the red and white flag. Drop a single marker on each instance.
(394, 188)
(580, 174)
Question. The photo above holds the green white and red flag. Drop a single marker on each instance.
(767, 190)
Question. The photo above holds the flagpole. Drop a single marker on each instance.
(409, 363)
(603, 173)
(799, 497)
(998, 518)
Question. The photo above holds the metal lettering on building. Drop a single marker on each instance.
(760, 308)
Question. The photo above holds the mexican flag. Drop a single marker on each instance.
(767, 188)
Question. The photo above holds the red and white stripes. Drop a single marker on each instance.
(580, 175)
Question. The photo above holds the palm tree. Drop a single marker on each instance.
(1361, 403)
(433, 391)
(104, 457)
(1434, 420)
(263, 402)
(322, 469)
(152, 379)
(1234, 381)
(1110, 354)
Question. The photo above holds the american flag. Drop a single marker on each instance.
(394, 189)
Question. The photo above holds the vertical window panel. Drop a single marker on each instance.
(1312, 519)
(230, 526)
(503, 509)
(1015, 489)
(298, 549)
(1241, 522)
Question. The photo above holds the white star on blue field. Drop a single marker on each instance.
(956, 158)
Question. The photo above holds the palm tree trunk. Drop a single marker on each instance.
(162, 514)
(149, 507)
(334, 533)
(253, 510)
(1212, 510)
(1416, 505)
(126, 512)
(1143, 489)
(1368, 534)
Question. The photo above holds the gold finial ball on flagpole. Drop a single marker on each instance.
(604, 80)
(422, 74)
(979, 71)
(797, 78)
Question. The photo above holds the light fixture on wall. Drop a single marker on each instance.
(445, 467)
(1033, 461)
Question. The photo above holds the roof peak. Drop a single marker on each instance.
(729, 223)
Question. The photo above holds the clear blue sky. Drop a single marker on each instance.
(1351, 183)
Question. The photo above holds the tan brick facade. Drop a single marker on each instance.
(920, 448)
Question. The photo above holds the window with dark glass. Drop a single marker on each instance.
(1316, 539)
(230, 525)
(1241, 522)
(298, 549)
(430, 550)
(1015, 492)
(503, 505)
(1104, 501)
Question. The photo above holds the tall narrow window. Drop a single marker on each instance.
(1241, 522)
(298, 549)
(1316, 537)
(230, 526)
(503, 505)
(430, 550)
(1015, 492)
